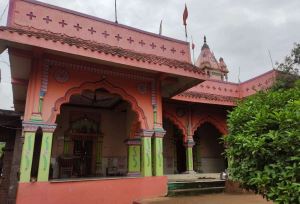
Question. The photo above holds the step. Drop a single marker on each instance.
(195, 184)
(195, 191)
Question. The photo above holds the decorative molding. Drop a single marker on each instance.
(33, 126)
(61, 75)
(96, 69)
(207, 96)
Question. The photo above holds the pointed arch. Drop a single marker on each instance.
(219, 124)
(93, 86)
(177, 122)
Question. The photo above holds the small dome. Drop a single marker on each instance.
(223, 65)
(207, 58)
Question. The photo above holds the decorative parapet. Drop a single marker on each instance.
(34, 14)
(226, 93)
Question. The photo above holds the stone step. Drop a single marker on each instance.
(195, 184)
(195, 191)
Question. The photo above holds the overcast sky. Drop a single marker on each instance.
(241, 32)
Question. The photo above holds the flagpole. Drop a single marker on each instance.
(271, 59)
(116, 15)
(160, 28)
(239, 75)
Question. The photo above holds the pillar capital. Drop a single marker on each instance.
(159, 132)
(145, 133)
(29, 126)
(189, 143)
(133, 141)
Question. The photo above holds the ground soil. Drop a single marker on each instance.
(211, 199)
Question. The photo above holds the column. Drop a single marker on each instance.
(134, 157)
(45, 156)
(99, 155)
(146, 164)
(189, 155)
(26, 158)
(157, 153)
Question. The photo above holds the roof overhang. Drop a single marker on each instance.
(175, 76)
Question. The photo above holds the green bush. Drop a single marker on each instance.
(263, 144)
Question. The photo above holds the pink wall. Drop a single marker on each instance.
(114, 191)
(92, 28)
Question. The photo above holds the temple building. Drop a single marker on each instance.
(109, 111)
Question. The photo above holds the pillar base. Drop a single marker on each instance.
(133, 174)
(189, 172)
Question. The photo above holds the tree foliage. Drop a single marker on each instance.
(263, 144)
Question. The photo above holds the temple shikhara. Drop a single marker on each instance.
(108, 111)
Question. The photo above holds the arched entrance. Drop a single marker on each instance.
(174, 149)
(208, 149)
(91, 135)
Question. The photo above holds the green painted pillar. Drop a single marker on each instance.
(157, 154)
(45, 156)
(26, 158)
(134, 157)
(99, 155)
(146, 164)
(189, 155)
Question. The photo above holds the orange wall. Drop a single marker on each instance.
(114, 191)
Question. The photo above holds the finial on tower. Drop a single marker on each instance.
(204, 39)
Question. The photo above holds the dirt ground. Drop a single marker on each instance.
(211, 199)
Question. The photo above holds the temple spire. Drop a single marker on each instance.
(205, 44)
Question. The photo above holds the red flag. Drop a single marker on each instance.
(193, 45)
(185, 15)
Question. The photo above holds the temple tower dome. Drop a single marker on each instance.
(207, 62)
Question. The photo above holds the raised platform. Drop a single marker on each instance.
(105, 191)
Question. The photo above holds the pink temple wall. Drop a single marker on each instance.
(92, 28)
